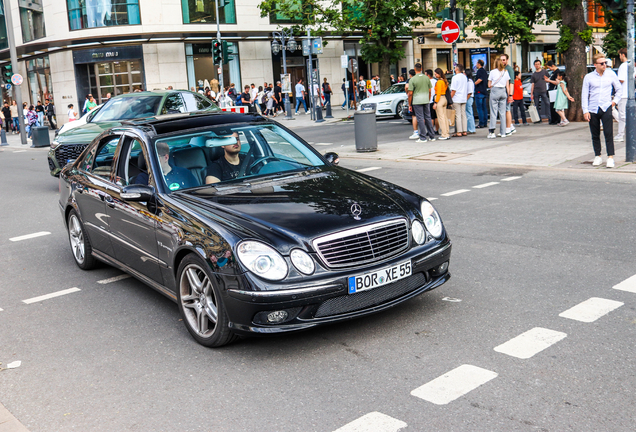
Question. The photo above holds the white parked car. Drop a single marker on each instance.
(80, 121)
(389, 102)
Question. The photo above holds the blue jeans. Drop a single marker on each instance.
(16, 124)
(298, 99)
(327, 99)
(482, 109)
(470, 117)
(40, 119)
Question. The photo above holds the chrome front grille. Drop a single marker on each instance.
(65, 152)
(370, 243)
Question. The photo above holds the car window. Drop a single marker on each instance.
(128, 107)
(283, 149)
(133, 167)
(99, 160)
(173, 104)
(396, 88)
(195, 102)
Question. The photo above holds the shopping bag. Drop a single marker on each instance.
(450, 114)
(553, 95)
(534, 114)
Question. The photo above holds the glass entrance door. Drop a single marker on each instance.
(115, 78)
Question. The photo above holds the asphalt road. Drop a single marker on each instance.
(115, 356)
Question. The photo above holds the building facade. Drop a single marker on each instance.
(70, 48)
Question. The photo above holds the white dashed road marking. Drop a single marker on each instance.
(530, 343)
(368, 169)
(323, 144)
(431, 199)
(373, 422)
(29, 236)
(50, 296)
(510, 178)
(113, 279)
(627, 285)
(453, 384)
(591, 310)
(19, 151)
(457, 192)
(485, 185)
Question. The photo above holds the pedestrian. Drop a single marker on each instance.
(622, 77)
(31, 120)
(517, 102)
(431, 76)
(498, 80)
(362, 89)
(86, 101)
(511, 84)
(91, 104)
(440, 103)
(6, 113)
(72, 115)
(279, 97)
(261, 103)
(374, 86)
(246, 99)
(392, 79)
(416, 131)
(561, 103)
(270, 101)
(597, 104)
(231, 92)
(554, 117)
(326, 90)
(459, 94)
(50, 114)
(470, 116)
(344, 89)
(419, 100)
(39, 111)
(15, 118)
(539, 90)
(214, 86)
(300, 95)
(481, 94)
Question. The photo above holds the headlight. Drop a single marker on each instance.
(432, 220)
(54, 144)
(302, 261)
(385, 103)
(419, 235)
(262, 260)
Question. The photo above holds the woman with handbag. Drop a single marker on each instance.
(441, 87)
(498, 82)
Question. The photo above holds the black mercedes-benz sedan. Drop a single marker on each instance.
(246, 226)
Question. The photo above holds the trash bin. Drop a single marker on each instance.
(40, 136)
(365, 128)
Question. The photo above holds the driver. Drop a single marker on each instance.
(227, 167)
(176, 177)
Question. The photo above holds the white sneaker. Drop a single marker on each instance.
(443, 138)
(415, 135)
(431, 139)
(492, 135)
(620, 139)
(421, 141)
(597, 161)
(513, 130)
(610, 163)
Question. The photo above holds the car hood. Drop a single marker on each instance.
(292, 212)
(85, 133)
(381, 98)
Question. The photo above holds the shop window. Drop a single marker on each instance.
(32, 20)
(277, 17)
(202, 70)
(39, 79)
(4, 44)
(595, 16)
(83, 14)
(204, 11)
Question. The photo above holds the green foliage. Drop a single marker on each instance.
(565, 39)
(615, 39)
(586, 36)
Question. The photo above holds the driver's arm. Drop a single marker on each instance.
(211, 179)
(214, 174)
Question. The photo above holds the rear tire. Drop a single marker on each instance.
(80, 243)
(201, 305)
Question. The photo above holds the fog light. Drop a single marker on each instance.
(277, 316)
(443, 267)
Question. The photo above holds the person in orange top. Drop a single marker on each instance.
(441, 103)
(517, 101)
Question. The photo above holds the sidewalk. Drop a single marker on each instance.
(14, 141)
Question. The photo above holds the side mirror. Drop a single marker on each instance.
(137, 193)
(332, 158)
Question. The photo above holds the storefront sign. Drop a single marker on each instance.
(344, 61)
(100, 55)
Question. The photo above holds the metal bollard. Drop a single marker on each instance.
(329, 110)
(318, 110)
(3, 138)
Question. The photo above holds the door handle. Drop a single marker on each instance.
(109, 201)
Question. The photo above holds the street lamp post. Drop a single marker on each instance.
(284, 40)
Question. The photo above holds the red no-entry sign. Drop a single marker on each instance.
(450, 31)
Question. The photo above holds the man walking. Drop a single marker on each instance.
(622, 77)
(510, 129)
(419, 99)
(50, 113)
(597, 104)
(362, 89)
(6, 113)
(539, 90)
(554, 117)
(481, 93)
(459, 95)
(300, 95)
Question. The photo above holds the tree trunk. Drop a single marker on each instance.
(385, 72)
(525, 48)
(575, 57)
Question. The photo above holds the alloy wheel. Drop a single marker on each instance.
(76, 235)
(198, 300)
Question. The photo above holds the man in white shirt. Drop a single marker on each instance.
(431, 76)
(459, 94)
(622, 77)
(300, 95)
(597, 104)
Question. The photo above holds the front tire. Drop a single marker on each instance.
(398, 109)
(80, 243)
(201, 305)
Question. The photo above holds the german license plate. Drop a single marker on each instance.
(381, 277)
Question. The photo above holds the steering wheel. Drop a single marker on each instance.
(264, 160)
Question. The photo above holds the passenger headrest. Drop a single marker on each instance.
(190, 158)
(141, 162)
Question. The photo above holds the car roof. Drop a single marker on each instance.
(146, 93)
(170, 123)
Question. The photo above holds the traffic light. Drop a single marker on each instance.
(444, 14)
(462, 25)
(614, 5)
(226, 52)
(217, 51)
(7, 73)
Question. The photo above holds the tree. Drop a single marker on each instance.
(379, 22)
(510, 19)
(575, 36)
(616, 37)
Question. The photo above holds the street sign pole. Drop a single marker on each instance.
(453, 10)
(310, 81)
(218, 37)
(14, 68)
(630, 109)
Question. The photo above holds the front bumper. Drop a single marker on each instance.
(327, 300)
(61, 155)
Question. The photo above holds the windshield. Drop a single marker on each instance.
(225, 154)
(395, 88)
(126, 108)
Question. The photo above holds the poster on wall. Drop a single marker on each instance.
(285, 81)
(479, 54)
